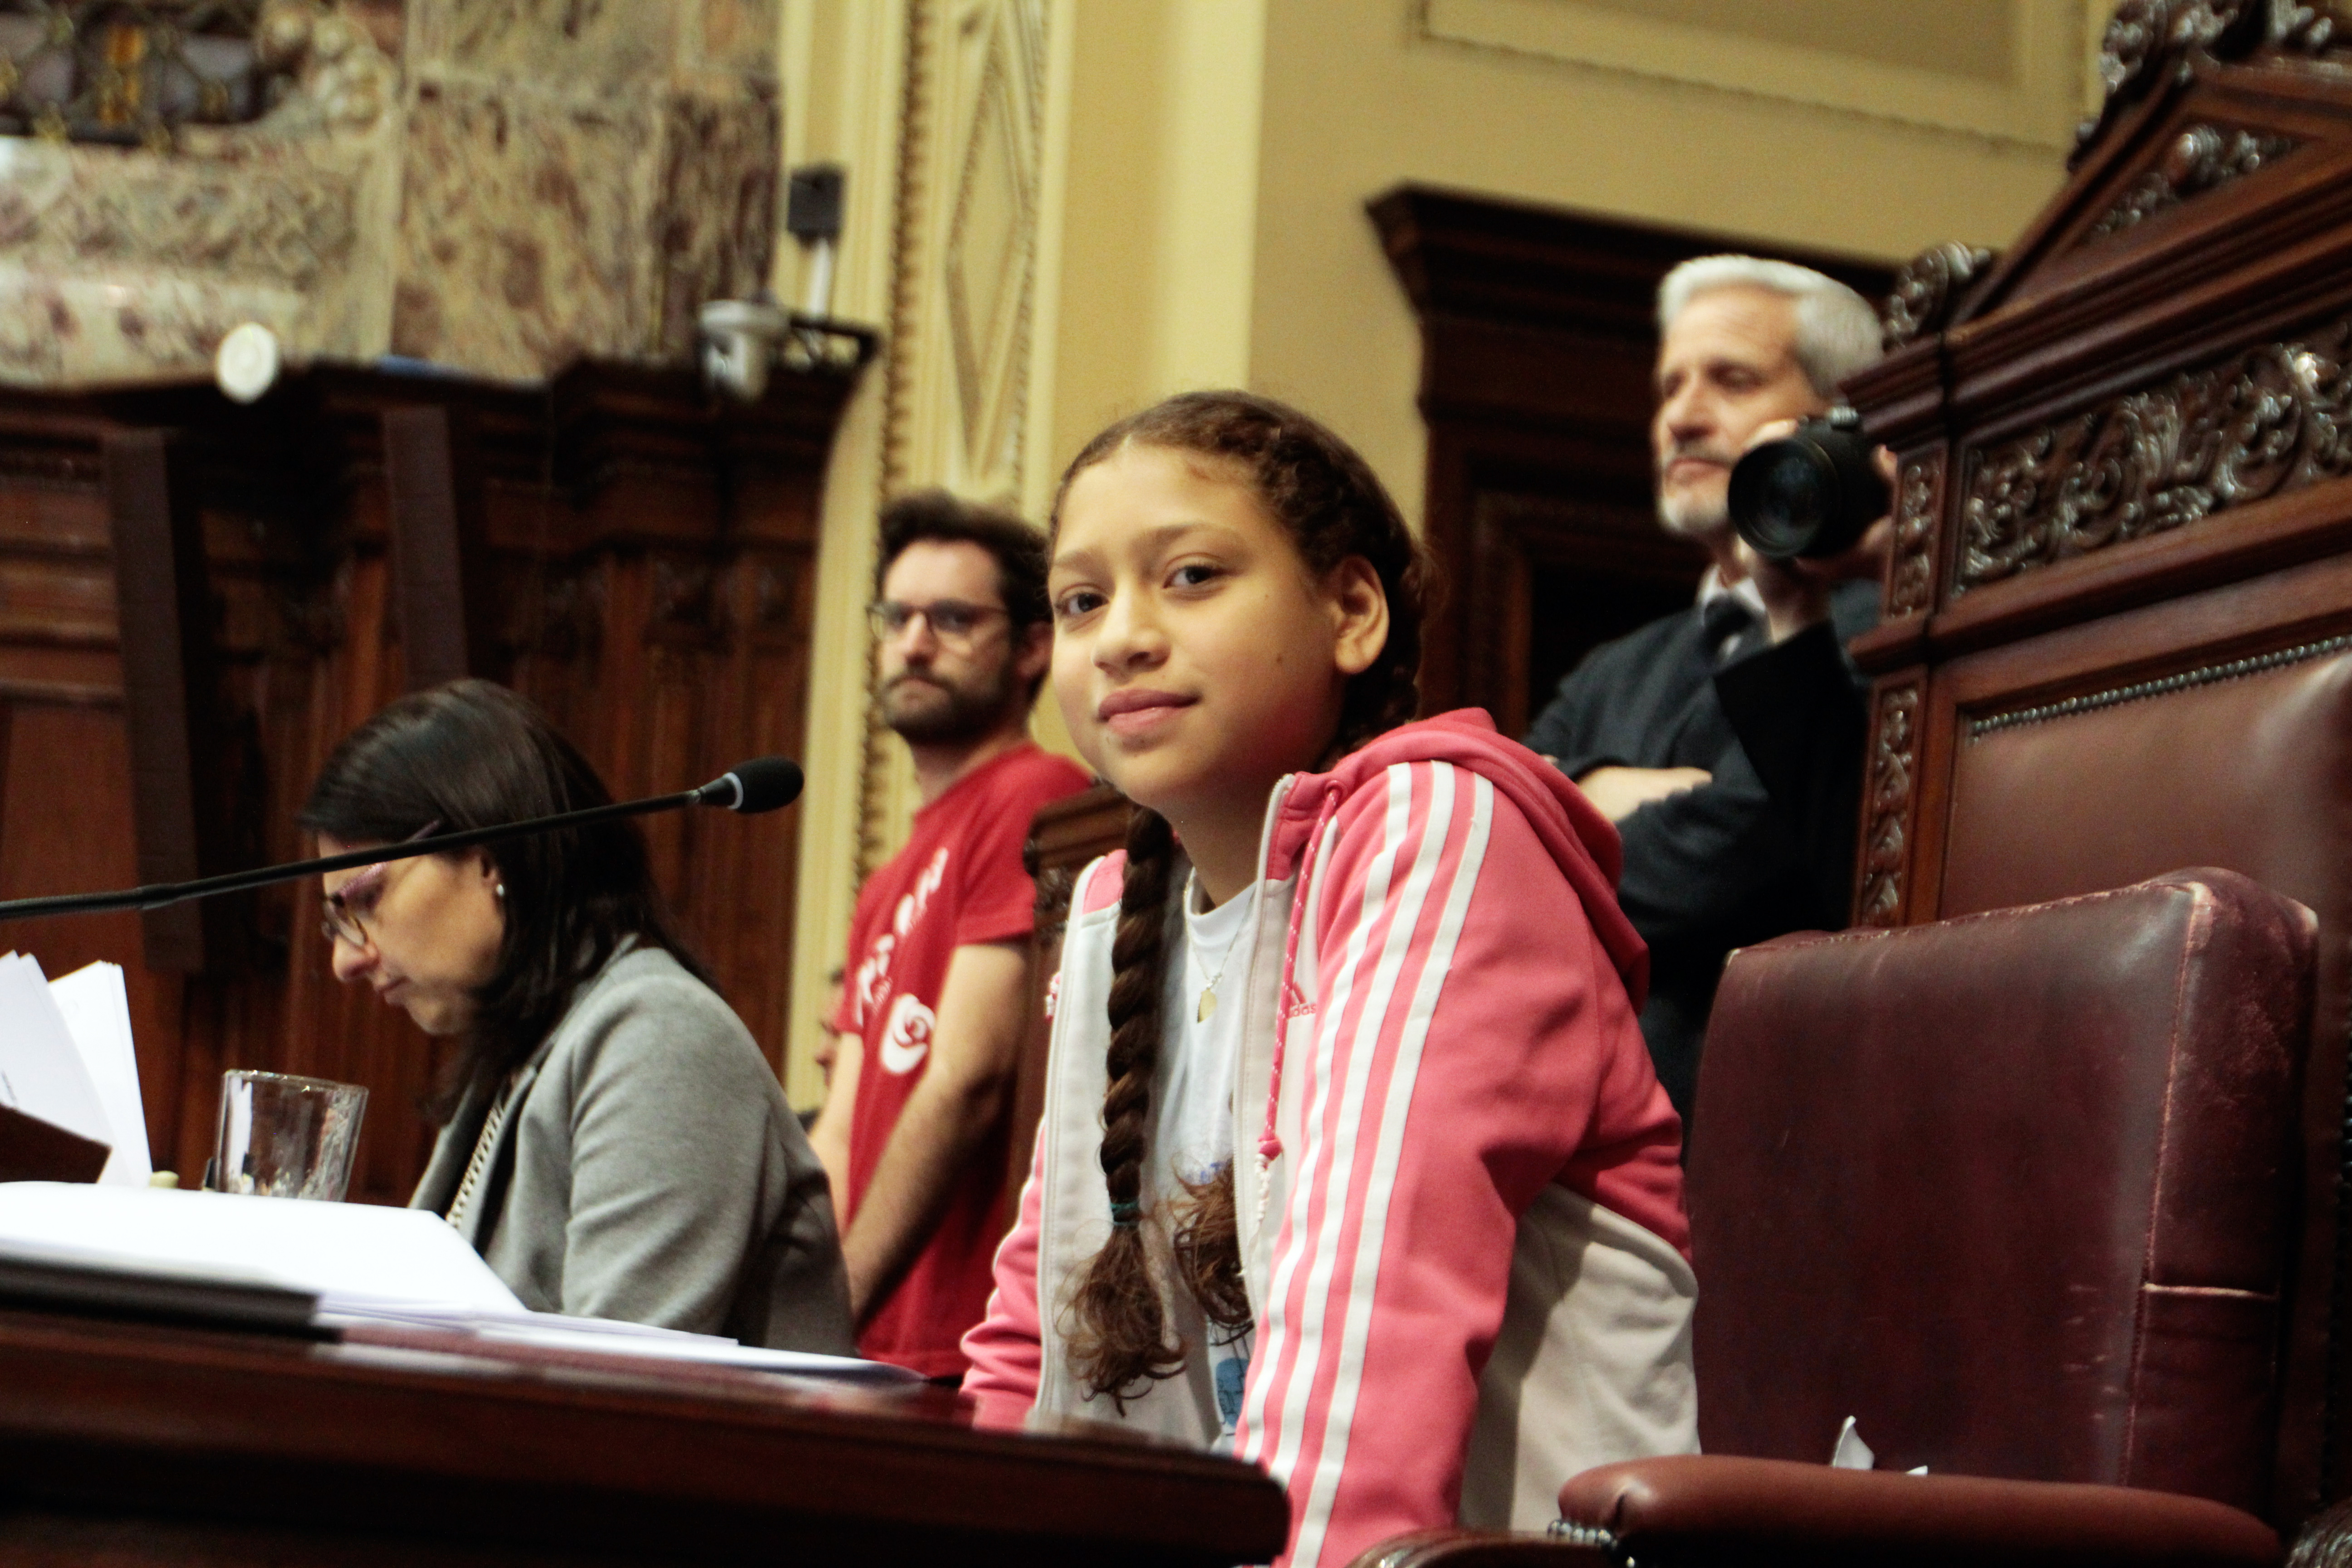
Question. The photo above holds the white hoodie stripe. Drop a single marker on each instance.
(1388, 1150)
(1280, 1386)
(1319, 1214)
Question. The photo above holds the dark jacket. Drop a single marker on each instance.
(1740, 858)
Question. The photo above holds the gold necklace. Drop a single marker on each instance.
(1208, 1005)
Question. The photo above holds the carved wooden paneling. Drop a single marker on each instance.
(171, 691)
(648, 554)
(2149, 392)
(433, 493)
(1927, 288)
(2147, 41)
(2271, 420)
(2202, 158)
(1887, 801)
(1911, 568)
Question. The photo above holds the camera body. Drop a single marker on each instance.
(1810, 495)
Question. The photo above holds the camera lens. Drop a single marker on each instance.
(1812, 494)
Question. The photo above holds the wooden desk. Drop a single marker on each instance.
(134, 1446)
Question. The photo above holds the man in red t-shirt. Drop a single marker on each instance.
(933, 1001)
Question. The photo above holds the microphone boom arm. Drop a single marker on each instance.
(746, 788)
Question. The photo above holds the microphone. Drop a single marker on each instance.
(763, 784)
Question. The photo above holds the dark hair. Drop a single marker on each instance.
(1017, 548)
(473, 754)
(1327, 501)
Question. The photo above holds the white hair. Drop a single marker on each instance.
(1837, 330)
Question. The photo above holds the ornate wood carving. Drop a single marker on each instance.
(2129, 371)
(1927, 288)
(2149, 41)
(2274, 420)
(1911, 573)
(1886, 837)
(2201, 158)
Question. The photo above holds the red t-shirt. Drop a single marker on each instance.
(958, 881)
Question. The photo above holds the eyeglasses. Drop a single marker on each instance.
(951, 620)
(349, 904)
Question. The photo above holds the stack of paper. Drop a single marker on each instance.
(362, 1265)
(65, 1058)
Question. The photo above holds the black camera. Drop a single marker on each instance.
(1813, 493)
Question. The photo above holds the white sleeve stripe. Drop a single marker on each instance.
(1323, 1183)
(1274, 1344)
(1356, 1330)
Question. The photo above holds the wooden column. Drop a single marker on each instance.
(433, 484)
(170, 692)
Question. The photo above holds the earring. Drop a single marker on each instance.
(500, 890)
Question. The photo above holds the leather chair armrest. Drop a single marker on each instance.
(1715, 1507)
(1481, 1549)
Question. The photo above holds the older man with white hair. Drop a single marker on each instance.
(1650, 726)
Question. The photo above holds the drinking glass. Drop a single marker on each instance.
(287, 1137)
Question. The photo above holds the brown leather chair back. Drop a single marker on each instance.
(2224, 762)
(2015, 1190)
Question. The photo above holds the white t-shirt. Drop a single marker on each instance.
(1192, 1099)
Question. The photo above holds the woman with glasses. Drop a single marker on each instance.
(613, 1143)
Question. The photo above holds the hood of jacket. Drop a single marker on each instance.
(1581, 841)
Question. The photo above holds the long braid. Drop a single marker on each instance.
(1207, 1243)
(1120, 1346)
(1328, 501)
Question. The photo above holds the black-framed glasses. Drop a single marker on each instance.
(349, 905)
(951, 620)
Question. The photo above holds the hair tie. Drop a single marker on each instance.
(1124, 1216)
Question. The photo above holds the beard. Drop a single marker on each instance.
(1694, 517)
(1705, 518)
(927, 709)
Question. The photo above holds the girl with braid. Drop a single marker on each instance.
(1352, 1159)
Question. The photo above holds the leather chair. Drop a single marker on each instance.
(2016, 1191)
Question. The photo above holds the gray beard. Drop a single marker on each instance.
(967, 713)
(1702, 521)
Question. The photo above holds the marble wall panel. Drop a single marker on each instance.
(521, 235)
(503, 186)
(714, 226)
(293, 224)
(125, 264)
(136, 327)
(585, 44)
(734, 37)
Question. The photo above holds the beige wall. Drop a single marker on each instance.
(1157, 226)
(1201, 170)
(1354, 103)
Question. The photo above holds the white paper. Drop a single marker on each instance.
(1851, 1453)
(362, 1252)
(41, 1071)
(366, 1264)
(605, 1336)
(97, 1011)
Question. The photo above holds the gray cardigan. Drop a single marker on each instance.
(649, 1170)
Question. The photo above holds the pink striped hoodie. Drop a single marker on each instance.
(1458, 1188)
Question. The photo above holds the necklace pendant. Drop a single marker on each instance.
(1208, 1008)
